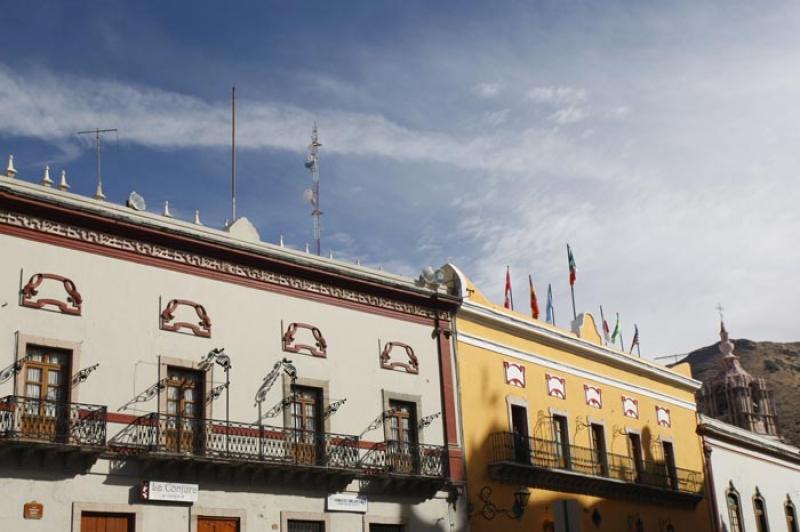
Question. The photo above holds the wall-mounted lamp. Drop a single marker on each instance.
(489, 510)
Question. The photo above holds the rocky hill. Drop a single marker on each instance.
(777, 363)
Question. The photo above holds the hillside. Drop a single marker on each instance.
(777, 363)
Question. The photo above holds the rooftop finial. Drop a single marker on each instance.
(166, 210)
(197, 217)
(62, 184)
(10, 170)
(280, 241)
(307, 250)
(330, 254)
(98, 193)
(46, 181)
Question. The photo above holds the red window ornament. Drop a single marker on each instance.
(593, 395)
(289, 340)
(202, 328)
(412, 366)
(71, 303)
(556, 386)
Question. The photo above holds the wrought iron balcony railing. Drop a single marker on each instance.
(36, 420)
(553, 455)
(220, 440)
(404, 458)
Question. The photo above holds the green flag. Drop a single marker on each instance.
(617, 330)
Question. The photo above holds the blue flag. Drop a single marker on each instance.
(550, 316)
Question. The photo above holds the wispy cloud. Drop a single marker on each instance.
(487, 90)
(557, 95)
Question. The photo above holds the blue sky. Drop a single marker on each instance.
(659, 138)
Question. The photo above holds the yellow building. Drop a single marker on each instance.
(593, 438)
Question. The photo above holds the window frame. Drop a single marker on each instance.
(324, 518)
(731, 491)
(759, 499)
(788, 506)
(73, 350)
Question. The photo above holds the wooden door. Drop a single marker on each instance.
(402, 444)
(44, 411)
(307, 423)
(185, 410)
(105, 522)
(217, 524)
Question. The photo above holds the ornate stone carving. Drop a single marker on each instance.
(319, 349)
(72, 304)
(386, 358)
(202, 328)
(81, 234)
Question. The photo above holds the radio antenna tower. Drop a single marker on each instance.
(312, 194)
(98, 193)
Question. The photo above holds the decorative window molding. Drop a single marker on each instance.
(201, 329)
(630, 407)
(593, 396)
(514, 373)
(72, 303)
(386, 358)
(290, 345)
(734, 508)
(556, 386)
(663, 416)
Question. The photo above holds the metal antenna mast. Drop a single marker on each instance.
(312, 194)
(233, 154)
(98, 194)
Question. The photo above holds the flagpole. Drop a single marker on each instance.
(571, 285)
(603, 325)
(510, 288)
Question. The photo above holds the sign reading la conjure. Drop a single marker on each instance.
(169, 491)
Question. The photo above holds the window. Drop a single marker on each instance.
(46, 373)
(635, 452)
(599, 456)
(306, 419)
(185, 409)
(734, 510)
(760, 511)
(295, 525)
(791, 515)
(402, 433)
(561, 440)
(669, 464)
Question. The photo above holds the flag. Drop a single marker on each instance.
(617, 330)
(550, 315)
(635, 341)
(534, 301)
(509, 300)
(573, 269)
(606, 331)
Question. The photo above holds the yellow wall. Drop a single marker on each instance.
(484, 406)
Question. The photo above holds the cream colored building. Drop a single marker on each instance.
(113, 395)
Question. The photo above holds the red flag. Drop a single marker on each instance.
(534, 301)
(573, 269)
(509, 302)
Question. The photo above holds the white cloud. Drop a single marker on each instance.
(569, 115)
(557, 96)
(487, 90)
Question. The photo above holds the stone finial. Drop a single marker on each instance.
(166, 210)
(280, 241)
(10, 170)
(46, 181)
(307, 248)
(358, 262)
(330, 254)
(725, 345)
(197, 218)
(98, 193)
(62, 183)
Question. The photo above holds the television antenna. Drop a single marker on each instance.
(311, 195)
(98, 194)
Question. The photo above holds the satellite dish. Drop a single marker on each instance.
(136, 202)
(427, 274)
(308, 195)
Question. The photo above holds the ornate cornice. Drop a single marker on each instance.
(145, 249)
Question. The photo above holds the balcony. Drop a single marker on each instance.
(34, 429)
(550, 465)
(412, 468)
(272, 454)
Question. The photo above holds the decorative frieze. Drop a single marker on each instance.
(147, 249)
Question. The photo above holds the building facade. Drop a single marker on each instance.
(565, 434)
(158, 375)
(753, 477)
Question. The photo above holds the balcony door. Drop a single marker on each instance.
(307, 447)
(519, 434)
(183, 424)
(599, 455)
(403, 438)
(44, 411)
(561, 441)
(635, 452)
(669, 464)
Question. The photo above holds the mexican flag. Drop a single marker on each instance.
(573, 269)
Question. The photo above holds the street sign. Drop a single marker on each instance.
(169, 491)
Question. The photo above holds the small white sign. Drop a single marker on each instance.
(347, 502)
(169, 491)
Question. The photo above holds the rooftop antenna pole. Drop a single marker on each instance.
(312, 194)
(233, 154)
(98, 194)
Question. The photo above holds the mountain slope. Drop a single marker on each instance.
(777, 363)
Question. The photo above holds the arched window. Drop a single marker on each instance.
(760, 511)
(734, 510)
(791, 515)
